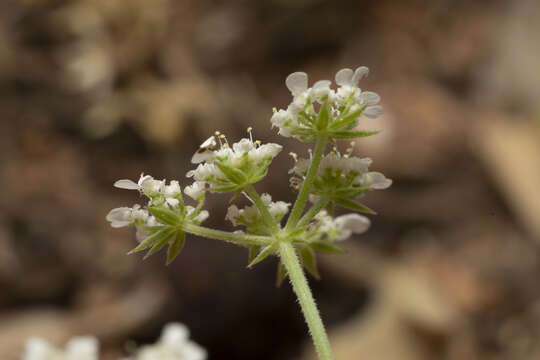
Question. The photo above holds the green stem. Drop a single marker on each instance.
(263, 209)
(301, 288)
(239, 239)
(314, 210)
(308, 183)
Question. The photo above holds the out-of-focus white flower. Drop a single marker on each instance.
(341, 227)
(351, 224)
(174, 344)
(77, 348)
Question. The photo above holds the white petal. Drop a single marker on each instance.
(370, 98)
(172, 201)
(174, 334)
(353, 222)
(344, 77)
(208, 143)
(37, 349)
(359, 74)
(126, 184)
(373, 112)
(192, 351)
(203, 215)
(322, 84)
(377, 180)
(82, 348)
(297, 82)
(201, 156)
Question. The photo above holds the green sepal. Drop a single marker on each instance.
(164, 216)
(263, 254)
(152, 239)
(350, 134)
(326, 247)
(176, 246)
(347, 120)
(253, 251)
(309, 261)
(297, 232)
(161, 243)
(281, 274)
(324, 116)
(352, 205)
(232, 174)
(224, 188)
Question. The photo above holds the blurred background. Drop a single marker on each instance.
(92, 91)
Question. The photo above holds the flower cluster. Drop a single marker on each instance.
(317, 114)
(231, 168)
(157, 223)
(174, 344)
(251, 217)
(321, 110)
(340, 178)
(78, 348)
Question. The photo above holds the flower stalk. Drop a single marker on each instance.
(311, 314)
(300, 203)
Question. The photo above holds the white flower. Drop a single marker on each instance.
(351, 223)
(335, 163)
(38, 349)
(250, 214)
(77, 348)
(205, 171)
(279, 119)
(146, 184)
(174, 344)
(141, 233)
(204, 153)
(373, 112)
(299, 119)
(242, 154)
(125, 216)
(195, 190)
(82, 348)
(321, 90)
(342, 227)
(297, 83)
(375, 180)
(347, 77)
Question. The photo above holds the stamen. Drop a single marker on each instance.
(294, 156)
(249, 129)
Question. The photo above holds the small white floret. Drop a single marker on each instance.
(126, 184)
(297, 82)
(351, 223)
(373, 112)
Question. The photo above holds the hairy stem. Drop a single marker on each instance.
(314, 210)
(309, 308)
(239, 239)
(308, 183)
